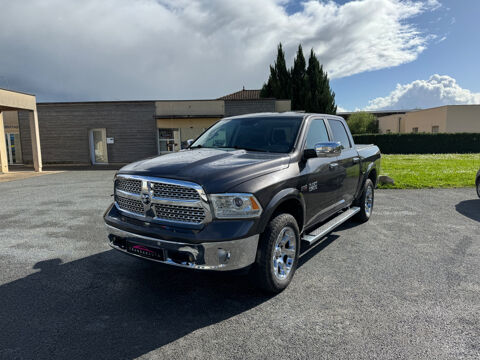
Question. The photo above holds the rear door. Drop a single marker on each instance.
(318, 179)
(348, 162)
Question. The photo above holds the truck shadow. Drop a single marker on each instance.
(110, 306)
(469, 208)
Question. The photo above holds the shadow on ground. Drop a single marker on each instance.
(469, 208)
(110, 306)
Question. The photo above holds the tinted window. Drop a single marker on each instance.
(339, 133)
(269, 134)
(317, 133)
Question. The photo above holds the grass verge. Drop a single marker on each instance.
(430, 171)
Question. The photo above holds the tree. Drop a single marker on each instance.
(307, 88)
(363, 123)
(298, 76)
(319, 98)
(278, 84)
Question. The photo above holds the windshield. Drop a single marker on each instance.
(266, 134)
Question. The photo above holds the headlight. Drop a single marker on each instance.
(235, 206)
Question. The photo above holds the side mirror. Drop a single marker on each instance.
(190, 142)
(328, 149)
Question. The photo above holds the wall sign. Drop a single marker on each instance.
(110, 140)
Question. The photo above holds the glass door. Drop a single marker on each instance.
(14, 150)
(168, 140)
(98, 146)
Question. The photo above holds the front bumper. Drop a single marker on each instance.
(220, 256)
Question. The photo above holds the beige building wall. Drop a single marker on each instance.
(425, 120)
(463, 118)
(391, 124)
(190, 107)
(283, 105)
(10, 120)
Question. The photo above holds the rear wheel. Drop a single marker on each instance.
(365, 202)
(478, 187)
(277, 255)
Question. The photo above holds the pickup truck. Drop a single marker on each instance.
(245, 194)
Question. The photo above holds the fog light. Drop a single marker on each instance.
(223, 256)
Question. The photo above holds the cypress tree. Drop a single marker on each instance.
(298, 75)
(319, 98)
(278, 84)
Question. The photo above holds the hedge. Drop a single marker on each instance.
(460, 143)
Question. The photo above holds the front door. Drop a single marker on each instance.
(14, 150)
(348, 162)
(318, 178)
(98, 146)
(168, 140)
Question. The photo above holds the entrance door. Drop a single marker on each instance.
(168, 140)
(98, 146)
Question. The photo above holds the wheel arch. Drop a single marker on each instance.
(288, 201)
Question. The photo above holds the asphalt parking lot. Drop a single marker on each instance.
(405, 285)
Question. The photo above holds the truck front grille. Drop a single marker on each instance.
(129, 185)
(170, 191)
(157, 199)
(180, 213)
(130, 205)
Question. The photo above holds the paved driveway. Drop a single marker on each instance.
(404, 285)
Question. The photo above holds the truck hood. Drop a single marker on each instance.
(216, 170)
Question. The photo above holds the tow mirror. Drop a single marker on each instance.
(190, 142)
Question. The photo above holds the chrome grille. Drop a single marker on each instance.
(180, 213)
(160, 199)
(171, 191)
(134, 206)
(129, 185)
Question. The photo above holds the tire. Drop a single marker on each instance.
(277, 254)
(365, 202)
(478, 187)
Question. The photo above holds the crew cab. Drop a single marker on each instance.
(245, 194)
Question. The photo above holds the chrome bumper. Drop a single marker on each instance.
(220, 256)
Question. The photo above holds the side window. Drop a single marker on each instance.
(317, 133)
(339, 133)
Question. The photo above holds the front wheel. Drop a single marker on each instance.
(365, 202)
(277, 255)
(478, 187)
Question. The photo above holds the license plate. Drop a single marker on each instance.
(145, 251)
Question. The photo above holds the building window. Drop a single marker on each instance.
(415, 130)
(435, 129)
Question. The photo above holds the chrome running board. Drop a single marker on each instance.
(323, 230)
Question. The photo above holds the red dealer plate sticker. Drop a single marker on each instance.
(145, 251)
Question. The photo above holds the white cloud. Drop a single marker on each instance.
(341, 109)
(111, 49)
(438, 90)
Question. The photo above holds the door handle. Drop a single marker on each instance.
(356, 160)
(333, 166)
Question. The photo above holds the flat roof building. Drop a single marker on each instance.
(443, 119)
(119, 132)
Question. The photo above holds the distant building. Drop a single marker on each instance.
(443, 119)
(117, 132)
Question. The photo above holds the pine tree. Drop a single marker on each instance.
(278, 84)
(298, 76)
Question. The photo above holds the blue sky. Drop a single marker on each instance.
(457, 56)
(380, 54)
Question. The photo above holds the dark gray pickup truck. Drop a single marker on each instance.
(245, 194)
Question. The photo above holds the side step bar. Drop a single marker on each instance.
(323, 230)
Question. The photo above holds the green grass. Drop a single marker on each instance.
(430, 171)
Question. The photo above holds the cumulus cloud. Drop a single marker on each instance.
(438, 90)
(125, 49)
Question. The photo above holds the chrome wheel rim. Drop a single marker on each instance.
(369, 201)
(284, 253)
